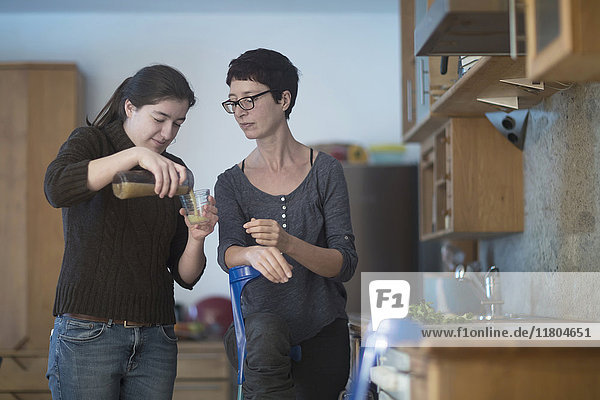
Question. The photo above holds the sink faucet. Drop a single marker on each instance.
(487, 288)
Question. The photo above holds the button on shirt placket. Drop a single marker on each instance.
(283, 214)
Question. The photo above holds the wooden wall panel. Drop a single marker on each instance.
(41, 105)
(13, 232)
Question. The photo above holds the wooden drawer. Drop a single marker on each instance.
(26, 396)
(408, 363)
(202, 361)
(209, 390)
(203, 372)
(202, 366)
(24, 372)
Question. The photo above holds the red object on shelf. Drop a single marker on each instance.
(215, 313)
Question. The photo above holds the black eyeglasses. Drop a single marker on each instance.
(245, 103)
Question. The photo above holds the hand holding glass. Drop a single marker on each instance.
(193, 202)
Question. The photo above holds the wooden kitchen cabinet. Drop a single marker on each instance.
(407, 58)
(471, 182)
(421, 81)
(430, 98)
(40, 106)
(203, 372)
(443, 373)
(23, 375)
(562, 42)
(469, 27)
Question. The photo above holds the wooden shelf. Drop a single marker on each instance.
(424, 128)
(481, 81)
(436, 235)
(34, 66)
(449, 234)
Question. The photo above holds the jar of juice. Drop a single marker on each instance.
(140, 183)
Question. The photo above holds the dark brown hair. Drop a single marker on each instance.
(150, 85)
(269, 68)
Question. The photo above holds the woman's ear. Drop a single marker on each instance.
(129, 108)
(286, 99)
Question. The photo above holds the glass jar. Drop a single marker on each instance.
(140, 183)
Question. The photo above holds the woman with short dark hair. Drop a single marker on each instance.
(286, 212)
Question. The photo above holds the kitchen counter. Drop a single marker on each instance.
(437, 373)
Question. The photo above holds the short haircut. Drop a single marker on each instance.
(269, 68)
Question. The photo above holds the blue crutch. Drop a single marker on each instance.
(238, 277)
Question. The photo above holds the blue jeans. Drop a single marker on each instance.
(95, 360)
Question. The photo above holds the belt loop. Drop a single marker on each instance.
(110, 323)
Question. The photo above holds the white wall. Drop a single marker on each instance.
(349, 87)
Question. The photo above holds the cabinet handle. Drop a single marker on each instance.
(447, 220)
(512, 28)
(200, 356)
(422, 92)
(409, 104)
(196, 387)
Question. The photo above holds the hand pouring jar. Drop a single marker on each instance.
(140, 183)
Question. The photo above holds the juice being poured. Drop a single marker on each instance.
(193, 202)
(196, 217)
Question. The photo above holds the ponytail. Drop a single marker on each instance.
(150, 85)
(112, 110)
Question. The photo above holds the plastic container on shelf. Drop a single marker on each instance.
(394, 154)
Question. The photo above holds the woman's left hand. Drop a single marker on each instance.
(205, 228)
(268, 232)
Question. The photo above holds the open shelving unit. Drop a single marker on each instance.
(483, 80)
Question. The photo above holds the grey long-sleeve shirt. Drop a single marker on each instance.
(318, 212)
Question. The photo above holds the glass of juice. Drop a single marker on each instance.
(193, 202)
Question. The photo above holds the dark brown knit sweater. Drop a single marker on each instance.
(121, 256)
